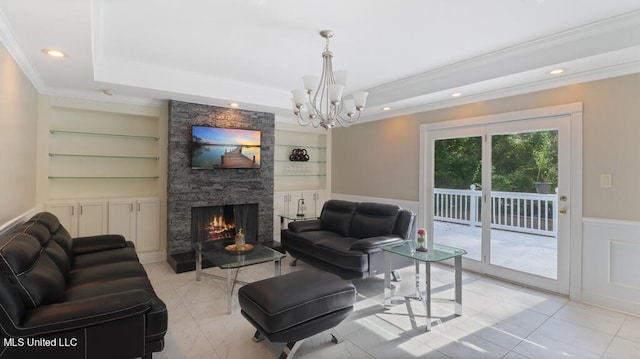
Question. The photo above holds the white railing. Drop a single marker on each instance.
(513, 211)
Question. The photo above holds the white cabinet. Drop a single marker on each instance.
(83, 218)
(138, 219)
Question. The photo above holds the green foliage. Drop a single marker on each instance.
(518, 160)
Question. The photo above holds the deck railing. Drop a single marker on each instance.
(514, 211)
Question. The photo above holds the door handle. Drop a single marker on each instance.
(563, 211)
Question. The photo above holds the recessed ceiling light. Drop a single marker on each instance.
(386, 108)
(456, 94)
(54, 53)
(234, 104)
(557, 71)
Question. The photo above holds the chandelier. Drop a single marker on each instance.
(320, 103)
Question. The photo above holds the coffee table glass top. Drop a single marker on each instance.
(216, 254)
(439, 252)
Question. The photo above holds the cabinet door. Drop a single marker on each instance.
(92, 219)
(148, 224)
(67, 213)
(122, 218)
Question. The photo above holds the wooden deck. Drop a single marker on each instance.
(235, 159)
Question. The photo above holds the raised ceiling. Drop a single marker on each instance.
(411, 55)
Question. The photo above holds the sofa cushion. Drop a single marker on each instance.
(308, 239)
(373, 219)
(105, 273)
(126, 254)
(36, 277)
(337, 251)
(336, 216)
(41, 232)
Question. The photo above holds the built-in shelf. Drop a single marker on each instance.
(301, 175)
(310, 161)
(102, 156)
(65, 132)
(300, 146)
(104, 177)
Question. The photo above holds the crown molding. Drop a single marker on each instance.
(596, 38)
(9, 40)
(551, 83)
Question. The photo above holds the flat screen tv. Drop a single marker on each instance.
(215, 147)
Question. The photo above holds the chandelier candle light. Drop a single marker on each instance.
(323, 105)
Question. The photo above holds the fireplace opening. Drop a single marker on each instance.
(221, 223)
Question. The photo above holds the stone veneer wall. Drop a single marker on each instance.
(196, 188)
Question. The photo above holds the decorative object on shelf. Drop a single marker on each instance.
(324, 106)
(299, 154)
(301, 208)
(420, 240)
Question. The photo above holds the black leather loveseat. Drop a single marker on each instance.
(70, 298)
(347, 237)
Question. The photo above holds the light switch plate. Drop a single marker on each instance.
(605, 180)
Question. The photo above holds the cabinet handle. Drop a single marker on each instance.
(81, 207)
(138, 207)
(73, 211)
(130, 207)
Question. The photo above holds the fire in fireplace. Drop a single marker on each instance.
(220, 223)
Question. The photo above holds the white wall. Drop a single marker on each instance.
(18, 120)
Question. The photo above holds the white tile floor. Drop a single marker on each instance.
(499, 320)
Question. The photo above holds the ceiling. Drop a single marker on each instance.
(411, 55)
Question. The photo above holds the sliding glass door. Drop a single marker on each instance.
(500, 191)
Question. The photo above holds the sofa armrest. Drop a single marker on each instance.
(305, 226)
(85, 312)
(98, 243)
(373, 244)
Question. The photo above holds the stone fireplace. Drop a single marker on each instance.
(189, 188)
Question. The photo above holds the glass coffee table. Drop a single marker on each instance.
(438, 253)
(216, 254)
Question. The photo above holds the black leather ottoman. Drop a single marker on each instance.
(295, 306)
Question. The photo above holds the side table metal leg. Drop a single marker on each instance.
(387, 280)
(427, 299)
(458, 283)
(277, 267)
(231, 283)
(198, 265)
(418, 294)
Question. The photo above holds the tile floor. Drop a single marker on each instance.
(499, 320)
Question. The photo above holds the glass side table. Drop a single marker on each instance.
(438, 253)
(220, 257)
(294, 218)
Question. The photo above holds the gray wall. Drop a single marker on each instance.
(197, 188)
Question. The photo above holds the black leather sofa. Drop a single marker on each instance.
(85, 297)
(347, 237)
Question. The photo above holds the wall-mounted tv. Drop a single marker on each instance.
(215, 147)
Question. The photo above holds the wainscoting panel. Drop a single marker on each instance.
(611, 264)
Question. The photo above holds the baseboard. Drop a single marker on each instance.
(152, 257)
